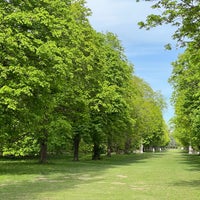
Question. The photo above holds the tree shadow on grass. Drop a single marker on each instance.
(190, 163)
(31, 166)
(193, 161)
(26, 179)
(192, 184)
(43, 186)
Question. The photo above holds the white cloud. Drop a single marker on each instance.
(121, 17)
(123, 11)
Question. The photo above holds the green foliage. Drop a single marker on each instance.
(184, 15)
(186, 97)
(148, 105)
(25, 146)
(109, 108)
(61, 82)
(35, 39)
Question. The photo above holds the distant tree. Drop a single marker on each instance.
(150, 127)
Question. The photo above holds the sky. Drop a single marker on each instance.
(144, 49)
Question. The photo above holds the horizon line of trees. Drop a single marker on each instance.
(65, 86)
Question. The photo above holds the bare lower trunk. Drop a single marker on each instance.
(96, 152)
(141, 148)
(190, 150)
(127, 145)
(43, 152)
(109, 148)
(76, 141)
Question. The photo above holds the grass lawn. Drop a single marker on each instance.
(151, 176)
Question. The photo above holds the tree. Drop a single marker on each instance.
(107, 102)
(36, 60)
(75, 100)
(186, 97)
(150, 128)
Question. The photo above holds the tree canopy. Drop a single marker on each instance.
(64, 85)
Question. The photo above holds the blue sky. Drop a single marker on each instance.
(145, 49)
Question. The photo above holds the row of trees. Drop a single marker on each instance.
(185, 78)
(63, 84)
(186, 97)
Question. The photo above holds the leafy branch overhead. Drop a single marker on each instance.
(184, 15)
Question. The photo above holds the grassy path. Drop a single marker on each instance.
(160, 176)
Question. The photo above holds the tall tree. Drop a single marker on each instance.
(74, 104)
(186, 96)
(108, 103)
(36, 60)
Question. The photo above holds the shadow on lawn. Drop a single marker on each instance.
(26, 179)
(193, 183)
(31, 166)
(43, 187)
(193, 161)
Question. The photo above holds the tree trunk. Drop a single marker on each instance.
(43, 151)
(127, 146)
(141, 148)
(190, 150)
(76, 141)
(96, 152)
(109, 148)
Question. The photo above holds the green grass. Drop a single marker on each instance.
(160, 176)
